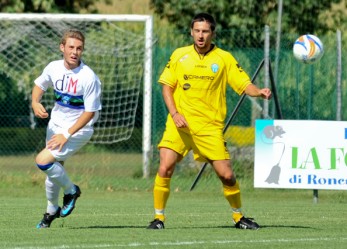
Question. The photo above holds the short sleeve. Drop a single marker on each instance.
(168, 76)
(92, 96)
(238, 79)
(44, 81)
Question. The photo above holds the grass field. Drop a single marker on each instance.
(116, 206)
(104, 219)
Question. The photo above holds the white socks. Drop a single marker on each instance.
(57, 174)
(57, 178)
(52, 194)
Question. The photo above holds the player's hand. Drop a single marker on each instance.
(179, 120)
(266, 93)
(39, 110)
(57, 141)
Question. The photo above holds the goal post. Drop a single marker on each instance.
(119, 54)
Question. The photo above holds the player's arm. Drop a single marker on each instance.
(81, 122)
(240, 81)
(38, 108)
(253, 91)
(58, 140)
(177, 117)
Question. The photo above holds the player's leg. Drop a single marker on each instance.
(52, 195)
(74, 144)
(54, 170)
(231, 188)
(161, 190)
(53, 209)
(172, 149)
(56, 178)
(168, 159)
(232, 193)
(51, 163)
(213, 148)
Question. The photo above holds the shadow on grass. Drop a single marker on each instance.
(107, 227)
(192, 227)
(286, 226)
(232, 227)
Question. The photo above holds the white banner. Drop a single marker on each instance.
(300, 154)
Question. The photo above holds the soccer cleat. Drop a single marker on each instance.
(247, 223)
(156, 224)
(69, 202)
(47, 219)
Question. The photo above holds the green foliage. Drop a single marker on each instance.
(298, 16)
(21, 140)
(50, 6)
(13, 104)
(306, 23)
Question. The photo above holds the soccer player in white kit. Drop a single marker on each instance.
(77, 91)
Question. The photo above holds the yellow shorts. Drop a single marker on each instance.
(205, 147)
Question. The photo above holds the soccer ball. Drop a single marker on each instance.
(308, 49)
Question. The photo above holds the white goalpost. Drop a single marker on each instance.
(119, 52)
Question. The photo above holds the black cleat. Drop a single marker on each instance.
(69, 202)
(156, 224)
(247, 223)
(47, 219)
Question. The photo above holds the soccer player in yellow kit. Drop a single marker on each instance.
(194, 85)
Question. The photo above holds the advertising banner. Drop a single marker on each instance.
(300, 154)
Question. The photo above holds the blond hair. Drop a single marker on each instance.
(72, 33)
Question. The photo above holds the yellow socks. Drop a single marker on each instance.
(237, 216)
(161, 194)
(233, 196)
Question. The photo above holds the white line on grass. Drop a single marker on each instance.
(178, 243)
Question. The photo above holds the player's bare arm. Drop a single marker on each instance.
(253, 91)
(177, 117)
(58, 140)
(38, 108)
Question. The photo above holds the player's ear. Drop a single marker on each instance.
(191, 32)
(61, 47)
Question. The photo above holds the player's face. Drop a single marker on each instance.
(72, 52)
(202, 35)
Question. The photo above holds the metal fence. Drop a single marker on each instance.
(304, 92)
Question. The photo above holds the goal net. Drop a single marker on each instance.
(117, 48)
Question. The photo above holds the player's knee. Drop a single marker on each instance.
(44, 158)
(166, 168)
(44, 167)
(39, 160)
(42, 163)
(228, 178)
(165, 172)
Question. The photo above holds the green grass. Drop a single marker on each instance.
(105, 219)
(116, 206)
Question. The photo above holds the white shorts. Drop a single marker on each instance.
(75, 142)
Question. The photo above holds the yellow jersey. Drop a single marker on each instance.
(200, 82)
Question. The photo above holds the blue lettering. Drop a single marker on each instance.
(314, 180)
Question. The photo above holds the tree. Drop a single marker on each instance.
(300, 17)
(49, 6)
(13, 104)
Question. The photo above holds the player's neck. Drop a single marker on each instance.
(203, 51)
(69, 66)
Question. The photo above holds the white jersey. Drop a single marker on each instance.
(75, 92)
